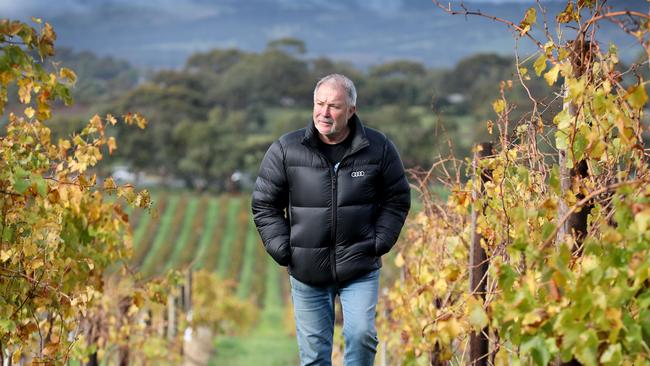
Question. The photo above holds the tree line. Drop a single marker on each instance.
(218, 114)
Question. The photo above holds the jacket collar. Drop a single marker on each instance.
(359, 140)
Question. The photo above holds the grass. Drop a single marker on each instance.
(243, 218)
(206, 239)
(229, 237)
(186, 256)
(162, 235)
(212, 254)
(186, 228)
(143, 243)
(246, 276)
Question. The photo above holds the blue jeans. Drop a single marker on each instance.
(314, 311)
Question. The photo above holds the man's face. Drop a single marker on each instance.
(331, 111)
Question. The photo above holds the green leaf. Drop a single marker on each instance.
(21, 180)
(536, 347)
(600, 103)
(633, 336)
(522, 174)
(547, 229)
(554, 180)
(8, 233)
(563, 119)
(41, 185)
(507, 277)
(587, 348)
(7, 325)
(477, 316)
(643, 301)
(579, 145)
(561, 140)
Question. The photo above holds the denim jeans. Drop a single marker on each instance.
(314, 312)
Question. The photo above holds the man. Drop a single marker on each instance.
(345, 195)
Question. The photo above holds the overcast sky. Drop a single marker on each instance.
(22, 8)
(164, 33)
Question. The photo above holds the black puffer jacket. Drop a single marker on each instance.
(339, 223)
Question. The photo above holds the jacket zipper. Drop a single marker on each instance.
(334, 175)
(334, 178)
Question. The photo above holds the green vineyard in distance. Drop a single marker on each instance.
(217, 233)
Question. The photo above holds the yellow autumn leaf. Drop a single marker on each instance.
(399, 260)
(111, 119)
(440, 287)
(499, 105)
(637, 96)
(29, 249)
(29, 112)
(5, 255)
(449, 329)
(426, 276)
(90, 263)
(490, 126)
(112, 145)
(66, 73)
(141, 121)
(36, 264)
(25, 90)
(551, 75)
(642, 220)
(523, 71)
(532, 317)
(502, 358)
(109, 184)
(529, 19)
(540, 64)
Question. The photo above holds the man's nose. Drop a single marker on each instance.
(325, 110)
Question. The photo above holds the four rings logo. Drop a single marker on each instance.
(358, 174)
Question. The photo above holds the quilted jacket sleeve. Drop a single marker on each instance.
(270, 199)
(395, 201)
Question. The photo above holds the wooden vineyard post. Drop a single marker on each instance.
(186, 304)
(187, 292)
(576, 224)
(171, 317)
(478, 262)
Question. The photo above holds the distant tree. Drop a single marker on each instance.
(216, 61)
(165, 106)
(270, 78)
(211, 151)
(291, 46)
(99, 78)
(398, 69)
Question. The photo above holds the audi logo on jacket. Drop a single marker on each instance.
(330, 225)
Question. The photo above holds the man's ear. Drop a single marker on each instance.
(351, 111)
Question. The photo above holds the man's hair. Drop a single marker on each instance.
(343, 81)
